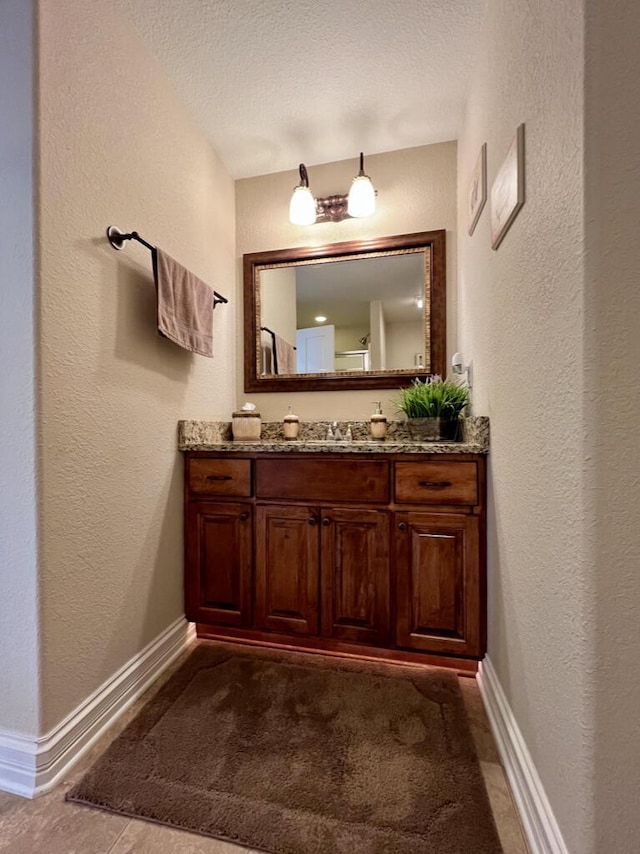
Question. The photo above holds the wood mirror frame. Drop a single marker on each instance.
(433, 242)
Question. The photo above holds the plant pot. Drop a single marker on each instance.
(451, 431)
(433, 430)
(424, 429)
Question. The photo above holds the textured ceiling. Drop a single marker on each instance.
(277, 82)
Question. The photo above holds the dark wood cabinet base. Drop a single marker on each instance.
(379, 557)
(326, 646)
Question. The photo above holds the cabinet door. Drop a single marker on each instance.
(218, 563)
(287, 557)
(355, 575)
(438, 583)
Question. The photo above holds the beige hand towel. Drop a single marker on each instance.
(185, 305)
(285, 356)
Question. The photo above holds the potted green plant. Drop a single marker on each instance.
(433, 408)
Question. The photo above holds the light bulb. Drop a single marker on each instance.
(302, 208)
(419, 302)
(320, 318)
(362, 197)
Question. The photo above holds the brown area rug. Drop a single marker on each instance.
(302, 755)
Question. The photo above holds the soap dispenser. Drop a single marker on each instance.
(291, 424)
(378, 422)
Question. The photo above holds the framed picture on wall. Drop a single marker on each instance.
(477, 189)
(507, 192)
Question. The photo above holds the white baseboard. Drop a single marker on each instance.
(539, 823)
(30, 767)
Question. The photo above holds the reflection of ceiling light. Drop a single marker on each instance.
(419, 301)
(320, 318)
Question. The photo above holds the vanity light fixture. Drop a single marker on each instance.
(304, 209)
(362, 196)
(419, 301)
(320, 318)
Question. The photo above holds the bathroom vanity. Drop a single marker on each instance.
(371, 549)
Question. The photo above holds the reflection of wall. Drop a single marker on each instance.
(348, 337)
(378, 336)
(404, 340)
(278, 302)
(416, 192)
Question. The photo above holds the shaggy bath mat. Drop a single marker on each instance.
(302, 755)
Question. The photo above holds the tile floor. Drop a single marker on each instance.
(49, 825)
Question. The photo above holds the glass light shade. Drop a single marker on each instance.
(302, 209)
(362, 197)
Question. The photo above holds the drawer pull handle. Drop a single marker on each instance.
(326, 521)
(313, 520)
(244, 516)
(402, 526)
(435, 484)
(219, 477)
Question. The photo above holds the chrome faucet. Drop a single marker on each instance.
(337, 435)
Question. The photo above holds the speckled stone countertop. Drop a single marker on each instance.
(216, 436)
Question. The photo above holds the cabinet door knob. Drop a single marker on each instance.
(313, 520)
(434, 484)
(219, 477)
(402, 526)
(244, 516)
(326, 521)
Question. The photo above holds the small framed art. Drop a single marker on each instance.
(477, 189)
(507, 192)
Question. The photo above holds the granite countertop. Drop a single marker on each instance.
(216, 436)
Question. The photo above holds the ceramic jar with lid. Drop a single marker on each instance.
(246, 425)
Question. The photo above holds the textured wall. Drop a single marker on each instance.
(116, 146)
(18, 546)
(417, 192)
(522, 323)
(612, 131)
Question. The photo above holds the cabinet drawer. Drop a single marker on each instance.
(219, 477)
(364, 481)
(436, 483)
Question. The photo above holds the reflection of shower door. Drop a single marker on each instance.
(352, 360)
(315, 348)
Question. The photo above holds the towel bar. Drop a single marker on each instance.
(117, 238)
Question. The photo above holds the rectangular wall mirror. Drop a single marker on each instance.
(362, 314)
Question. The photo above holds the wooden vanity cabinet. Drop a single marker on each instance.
(219, 548)
(438, 583)
(381, 556)
(286, 569)
(313, 561)
(355, 579)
